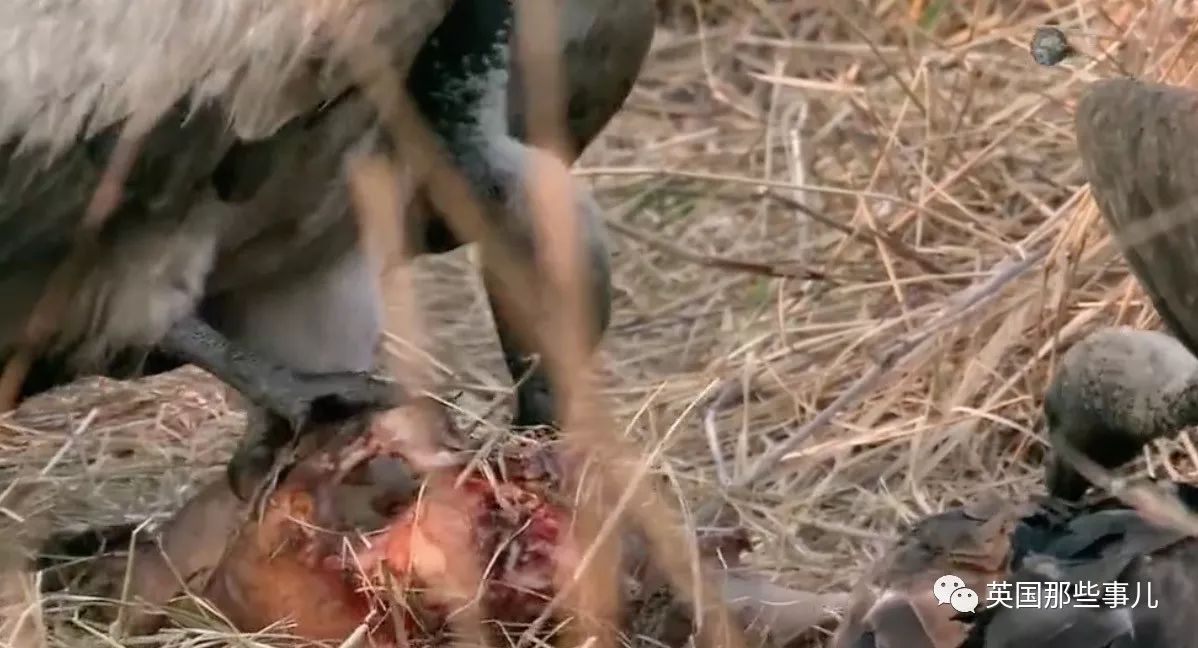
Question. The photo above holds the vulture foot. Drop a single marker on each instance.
(534, 407)
(282, 401)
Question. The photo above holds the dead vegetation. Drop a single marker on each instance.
(851, 238)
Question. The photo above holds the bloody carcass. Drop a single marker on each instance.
(353, 535)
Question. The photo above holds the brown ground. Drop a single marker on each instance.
(932, 156)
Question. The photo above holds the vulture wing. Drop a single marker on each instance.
(193, 77)
(216, 92)
(1137, 145)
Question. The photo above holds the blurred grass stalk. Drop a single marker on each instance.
(561, 334)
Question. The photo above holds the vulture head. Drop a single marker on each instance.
(1115, 391)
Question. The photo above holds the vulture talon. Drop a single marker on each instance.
(334, 396)
(247, 471)
(243, 232)
(314, 398)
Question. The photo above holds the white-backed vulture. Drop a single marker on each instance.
(233, 246)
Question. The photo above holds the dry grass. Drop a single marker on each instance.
(887, 159)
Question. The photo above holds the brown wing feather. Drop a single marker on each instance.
(1137, 143)
(895, 605)
(604, 43)
(77, 66)
(188, 76)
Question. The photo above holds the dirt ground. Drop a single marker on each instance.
(918, 245)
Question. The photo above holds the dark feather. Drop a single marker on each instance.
(1101, 543)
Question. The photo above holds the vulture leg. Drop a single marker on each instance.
(534, 398)
(324, 327)
(604, 43)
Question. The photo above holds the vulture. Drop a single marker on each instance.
(1095, 573)
(1047, 575)
(1119, 388)
(232, 245)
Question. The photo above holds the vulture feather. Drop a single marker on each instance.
(1118, 388)
(1056, 542)
(193, 80)
(233, 246)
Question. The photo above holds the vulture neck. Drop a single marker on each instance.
(1176, 409)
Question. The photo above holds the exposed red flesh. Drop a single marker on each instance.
(302, 563)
